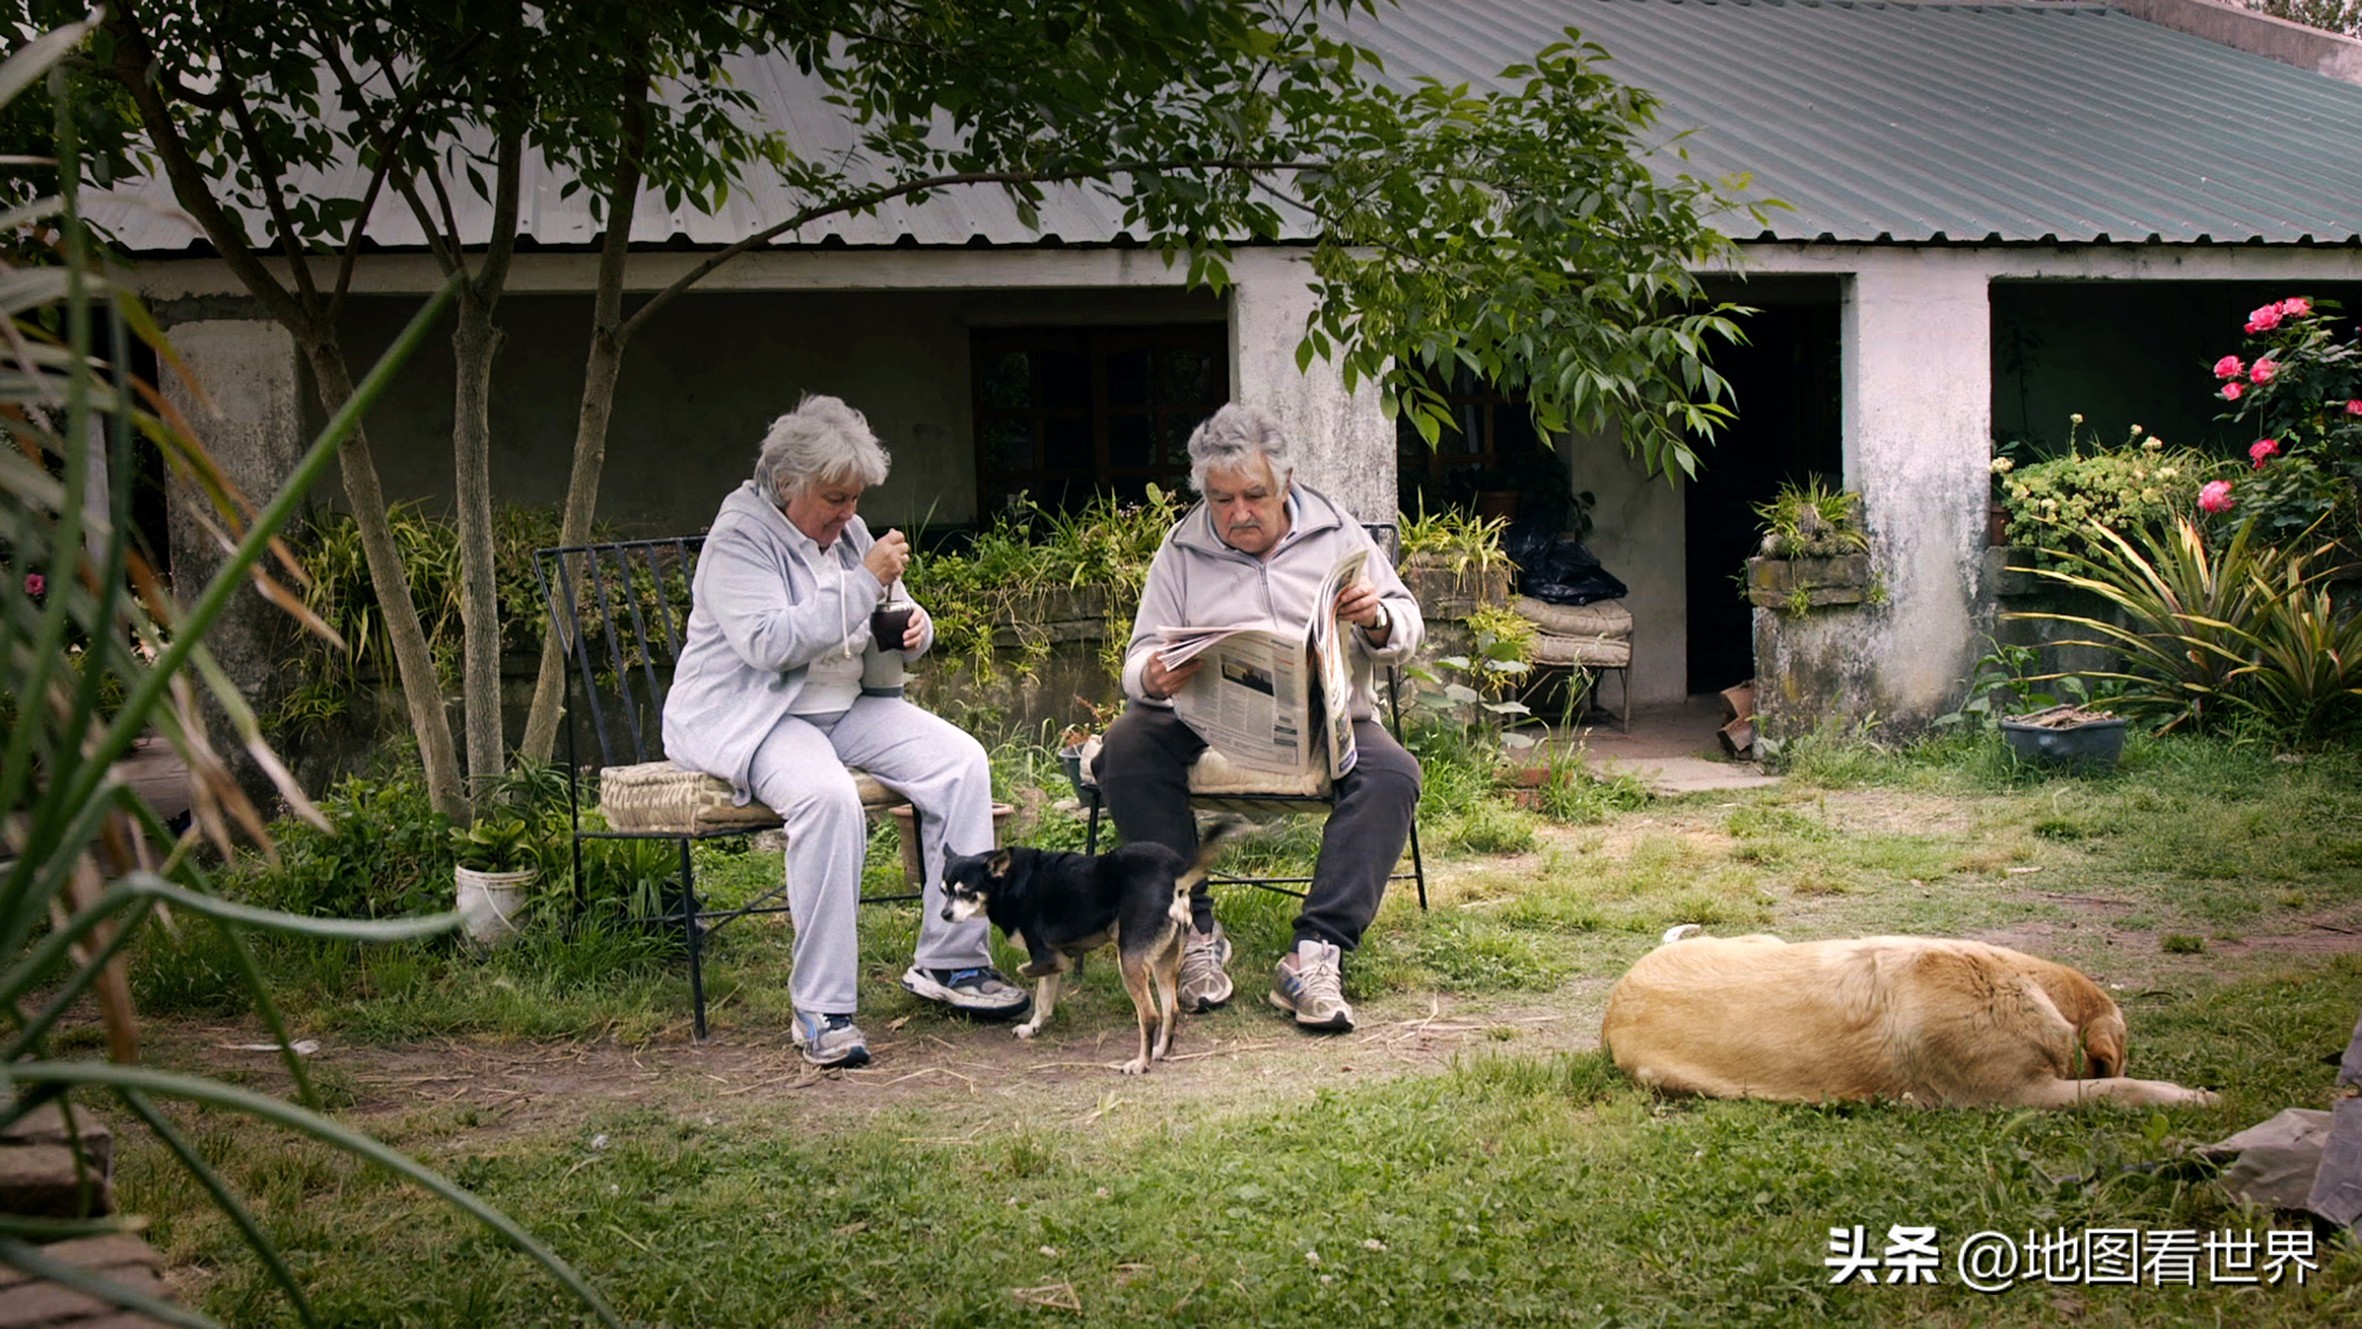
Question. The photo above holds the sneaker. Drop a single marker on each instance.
(979, 991)
(1310, 984)
(1205, 983)
(830, 1040)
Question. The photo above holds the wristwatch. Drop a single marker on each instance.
(1385, 622)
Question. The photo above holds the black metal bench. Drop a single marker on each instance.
(621, 612)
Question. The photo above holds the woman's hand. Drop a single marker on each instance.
(916, 631)
(887, 557)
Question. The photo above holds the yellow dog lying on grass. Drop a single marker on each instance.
(1919, 1019)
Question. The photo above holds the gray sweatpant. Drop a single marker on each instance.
(799, 773)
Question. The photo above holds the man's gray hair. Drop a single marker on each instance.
(821, 441)
(1232, 438)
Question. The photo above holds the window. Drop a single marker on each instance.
(1494, 447)
(1062, 413)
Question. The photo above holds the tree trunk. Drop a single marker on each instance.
(603, 367)
(421, 693)
(474, 344)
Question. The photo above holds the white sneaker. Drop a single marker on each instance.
(979, 991)
(1205, 983)
(1310, 984)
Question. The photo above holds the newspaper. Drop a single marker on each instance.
(1272, 699)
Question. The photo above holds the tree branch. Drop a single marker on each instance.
(135, 55)
(268, 167)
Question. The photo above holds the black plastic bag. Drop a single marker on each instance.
(1555, 571)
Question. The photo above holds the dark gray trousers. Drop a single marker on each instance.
(1143, 773)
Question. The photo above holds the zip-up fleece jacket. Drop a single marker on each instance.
(1198, 581)
(758, 618)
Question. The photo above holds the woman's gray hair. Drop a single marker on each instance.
(1233, 437)
(820, 441)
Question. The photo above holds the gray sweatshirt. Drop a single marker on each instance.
(759, 617)
(1198, 581)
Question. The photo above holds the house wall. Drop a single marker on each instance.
(703, 382)
(1638, 530)
(1919, 370)
(1918, 364)
(885, 329)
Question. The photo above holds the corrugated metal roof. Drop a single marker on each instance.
(1933, 122)
(1875, 121)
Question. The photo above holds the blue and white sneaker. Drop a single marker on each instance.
(979, 991)
(1310, 985)
(831, 1040)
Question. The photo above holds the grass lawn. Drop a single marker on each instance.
(1466, 1157)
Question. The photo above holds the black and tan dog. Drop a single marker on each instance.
(1059, 906)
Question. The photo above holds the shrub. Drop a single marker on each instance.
(387, 853)
(2140, 485)
(2210, 630)
(1812, 520)
(2298, 389)
(988, 600)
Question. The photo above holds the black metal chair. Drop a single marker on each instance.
(621, 613)
(1389, 541)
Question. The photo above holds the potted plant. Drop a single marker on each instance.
(1075, 738)
(1814, 550)
(2047, 719)
(2069, 734)
(1453, 562)
(495, 863)
(498, 859)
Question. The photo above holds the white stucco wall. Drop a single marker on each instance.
(1637, 529)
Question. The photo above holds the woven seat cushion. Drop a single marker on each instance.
(1594, 652)
(1600, 618)
(659, 796)
(1216, 777)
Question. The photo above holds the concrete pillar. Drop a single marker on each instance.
(1918, 425)
(251, 421)
(1344, 442)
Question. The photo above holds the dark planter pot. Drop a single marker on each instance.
(2092, 745)
(1071, 757)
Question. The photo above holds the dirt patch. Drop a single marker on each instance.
(975, 1077)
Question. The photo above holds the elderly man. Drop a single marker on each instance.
(768, 696)
(1259, 546)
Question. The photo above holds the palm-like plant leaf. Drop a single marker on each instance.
(84, 877)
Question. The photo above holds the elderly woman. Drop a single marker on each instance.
(767, 695)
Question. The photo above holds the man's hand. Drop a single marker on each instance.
(1161, 683)
(887, 557)
(1358, 604)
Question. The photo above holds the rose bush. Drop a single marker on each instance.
(2299, 387)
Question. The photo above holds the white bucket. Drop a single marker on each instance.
(489, 902)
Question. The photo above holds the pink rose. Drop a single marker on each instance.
(2263, 371)
(2263, 450)
(2354, 407)
(35, 583)
(2263, 320)
(2295, 306)
(2232, 390)
(2216, 496)
(2229, 367)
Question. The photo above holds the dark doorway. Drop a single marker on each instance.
(1788, 427)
